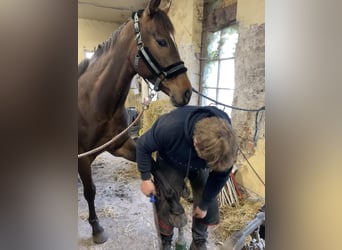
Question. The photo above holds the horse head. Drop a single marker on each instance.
(156, 57)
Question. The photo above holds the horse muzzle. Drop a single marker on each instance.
(182, 100)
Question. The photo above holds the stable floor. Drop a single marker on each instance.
(124, 212)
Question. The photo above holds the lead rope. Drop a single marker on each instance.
(188, 167)
(103, 146)
(186, 191)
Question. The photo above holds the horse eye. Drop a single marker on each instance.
(162, 42)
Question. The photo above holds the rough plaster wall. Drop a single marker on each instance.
(91, 33)
(228, 2)
(250, 12)
(186, 17)
(250, 93)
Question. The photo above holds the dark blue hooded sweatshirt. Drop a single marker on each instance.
(172, 137)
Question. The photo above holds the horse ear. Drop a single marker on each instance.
(167, 7)
(152, 7)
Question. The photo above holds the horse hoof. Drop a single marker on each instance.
(178, 220)
(100, 237)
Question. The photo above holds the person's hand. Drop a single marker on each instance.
(147, 187)
(199, 213)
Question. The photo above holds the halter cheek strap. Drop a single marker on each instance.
(160, 72)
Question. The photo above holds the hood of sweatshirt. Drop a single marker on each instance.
(198, 114)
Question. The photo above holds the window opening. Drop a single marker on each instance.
(88, 54)
(218, 80)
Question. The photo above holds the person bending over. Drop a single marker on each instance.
(194, 143)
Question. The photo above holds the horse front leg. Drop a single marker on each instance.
(89, 190)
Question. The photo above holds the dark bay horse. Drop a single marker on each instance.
(143, 45)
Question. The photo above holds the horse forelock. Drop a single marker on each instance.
(161, 18)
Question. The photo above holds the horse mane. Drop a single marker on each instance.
(111, 40)
(159, 17)
(82, 67)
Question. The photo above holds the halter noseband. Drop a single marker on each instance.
(143, 52)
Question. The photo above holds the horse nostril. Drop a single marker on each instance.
(187, 95)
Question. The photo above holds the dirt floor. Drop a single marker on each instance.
(127, 215)
(124, 212)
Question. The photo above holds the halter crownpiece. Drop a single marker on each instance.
(160, 72)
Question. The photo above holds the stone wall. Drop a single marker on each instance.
(250, 93)
(250, 84)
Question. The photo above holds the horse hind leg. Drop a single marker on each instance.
(89, 190)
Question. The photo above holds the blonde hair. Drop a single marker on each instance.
(216, 142)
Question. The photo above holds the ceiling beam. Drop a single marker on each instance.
(105, 7)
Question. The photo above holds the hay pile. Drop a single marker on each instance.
(155, 110)
(233, 219)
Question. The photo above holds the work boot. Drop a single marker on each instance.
(166, 242)
(198, 245)
(166, 245)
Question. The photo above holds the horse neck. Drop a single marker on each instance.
(117, 72)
